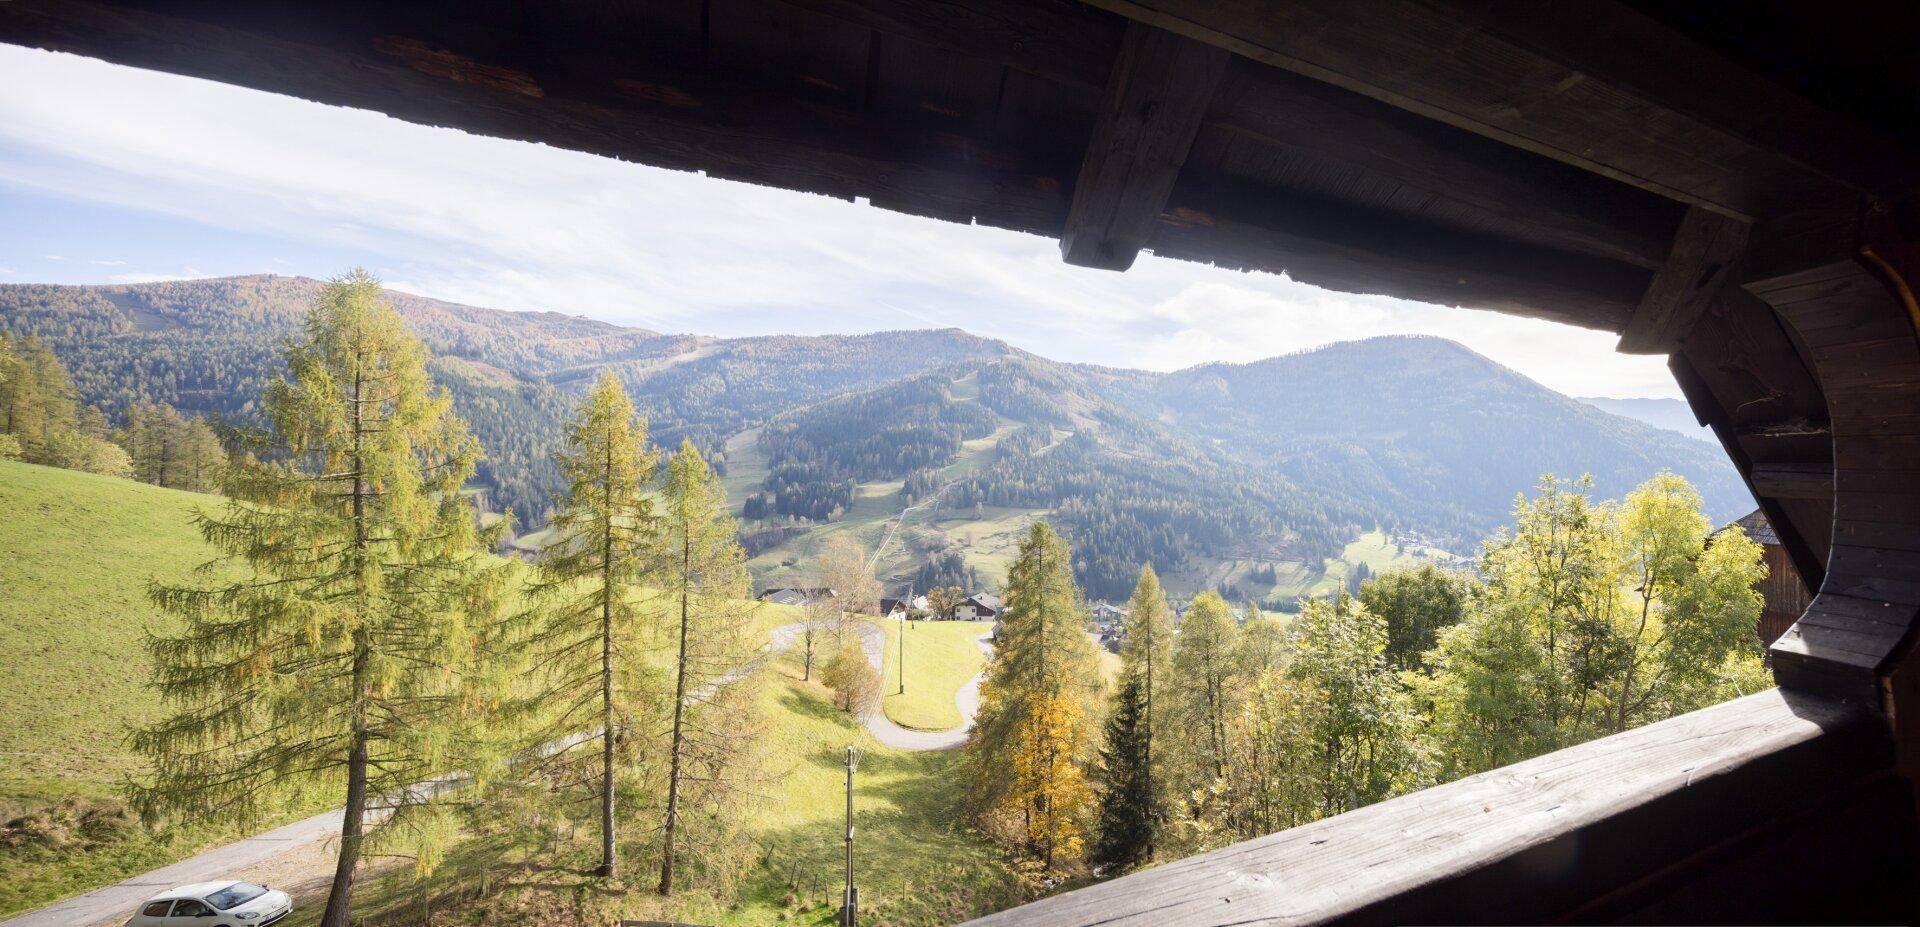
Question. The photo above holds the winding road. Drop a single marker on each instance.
(112, 904)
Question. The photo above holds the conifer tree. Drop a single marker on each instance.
(1030, 722)
(37, 405)
(586, 644)
(1132, 801)
(351, 646)
(703, 571)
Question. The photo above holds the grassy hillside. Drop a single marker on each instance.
(941, 657)
(917, 863)
(76, 554)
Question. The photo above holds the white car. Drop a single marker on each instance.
(214, 904)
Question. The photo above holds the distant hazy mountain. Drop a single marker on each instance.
(1247, 464)
(1446, 434)
(1671, 414)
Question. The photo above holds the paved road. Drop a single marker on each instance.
(873, 641)
(114, 903)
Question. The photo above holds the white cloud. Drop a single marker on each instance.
(519, 225)
(108, 263)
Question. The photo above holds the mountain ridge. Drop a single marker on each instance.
(1415, 435)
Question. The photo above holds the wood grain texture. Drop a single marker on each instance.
(1866, 351)
(1526, 843)
(1633, 118)
(1541, 200)
(1705, 248)
(1160, 88)
(1793, 480)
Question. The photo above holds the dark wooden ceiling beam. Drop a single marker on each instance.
(1556, 204)
(1705, 249)
(1441, 62)
(633, 109)
(1058, 40)
(1161, 86)
(638, 108)
(1340, 246)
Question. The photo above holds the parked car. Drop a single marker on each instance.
(227, 903)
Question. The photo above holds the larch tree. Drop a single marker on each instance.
(353, 646)
(586, 645)
(37, 404)
(1204, 684)
(702, 573)
(1029, 747)
(1132, 797)
(844, 569)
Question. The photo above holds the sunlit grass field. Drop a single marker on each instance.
(941, 657)
(917, 862)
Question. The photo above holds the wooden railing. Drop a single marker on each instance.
(1757, 809)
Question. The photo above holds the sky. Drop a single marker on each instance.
(115, 175)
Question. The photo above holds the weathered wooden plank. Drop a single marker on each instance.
(1065, 42)
(1793, 480)
(1494, 848)
(1555, 204)
(1705, 248)
(1440, 62)
(1340, 247)
(1160, 89)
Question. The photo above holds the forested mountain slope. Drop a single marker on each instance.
(1232, 468)
(1027, 434)
(1445, 434)
(211, 346)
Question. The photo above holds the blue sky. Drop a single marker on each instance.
(111, 175)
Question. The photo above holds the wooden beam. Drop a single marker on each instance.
(1058, 40)
(1339, 246)
(1547, 202)
(634, 109)
(1793, 481)
(639, 107)
(1571, 101)
(1704, 252)
(1159, 90)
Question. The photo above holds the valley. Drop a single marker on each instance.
(1411, 444)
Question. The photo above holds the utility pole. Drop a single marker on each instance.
(904, 612)
(850, 897)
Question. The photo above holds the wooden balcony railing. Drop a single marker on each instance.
(1771, 807)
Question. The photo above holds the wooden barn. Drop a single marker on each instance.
(1733, 185)
(1783, 594)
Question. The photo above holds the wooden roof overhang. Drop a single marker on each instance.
(1730, 184)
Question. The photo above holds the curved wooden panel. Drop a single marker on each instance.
(1866, 352)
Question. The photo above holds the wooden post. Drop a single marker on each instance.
(849, 895)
